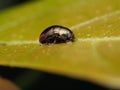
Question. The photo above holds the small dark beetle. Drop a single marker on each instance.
(56, 34)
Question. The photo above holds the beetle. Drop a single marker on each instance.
(56, 34)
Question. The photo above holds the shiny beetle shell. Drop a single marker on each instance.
(56, 34)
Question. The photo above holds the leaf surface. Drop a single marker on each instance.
(94, 56)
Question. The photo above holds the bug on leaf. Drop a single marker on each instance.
(56, 34)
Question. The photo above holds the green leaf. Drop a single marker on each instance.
(94, 56)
